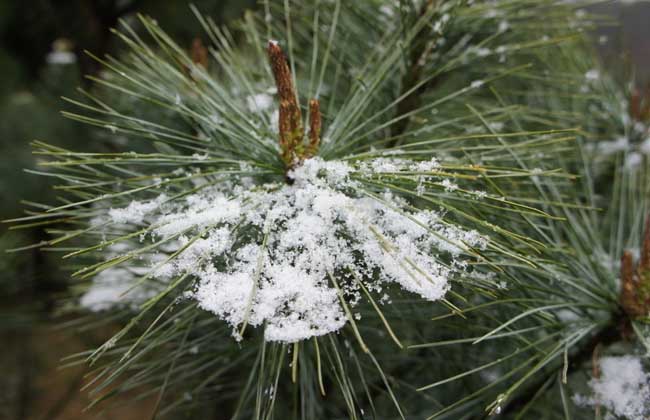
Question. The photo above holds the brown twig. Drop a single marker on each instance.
(290, 119)
(314, 128)
(198, 53)
(292, 147)
(635, 281)
(595, 371)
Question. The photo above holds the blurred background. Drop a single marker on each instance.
(42, 58)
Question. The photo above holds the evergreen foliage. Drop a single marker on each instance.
(361, 210)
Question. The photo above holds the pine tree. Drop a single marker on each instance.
(364, 210)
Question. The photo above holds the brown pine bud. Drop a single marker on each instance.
(645, 109)
(290, 119)
(314, 128)
(198, 53)
(644, 263)
(635, 281)
(628, 286)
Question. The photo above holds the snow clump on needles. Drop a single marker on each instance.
(291, 256)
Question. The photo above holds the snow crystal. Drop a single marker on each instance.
(633, 160)
(644, 147)
(496, 126)
(117, 287)
(197, 156)
(482, 52)
(623, 388)
(592, 74)
(61, 57)
(392, 165)
(285, 255)
(449, 186)
(259, 102)
(275, 124)
(107, 289)
(136, 211)
(387, 10)
(120, 286)
(216, 119)
(613, 146)
(439, 24)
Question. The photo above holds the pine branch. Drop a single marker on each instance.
(481, 208)
(292, 133)
(419, 51)
(609, 334)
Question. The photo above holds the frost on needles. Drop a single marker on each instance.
(297, 257)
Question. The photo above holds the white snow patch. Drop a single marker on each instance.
(623, 388)
(275, 254)
(613, 146)
(259, 102)
(632, 160)
(592, 74)
(136, 211)
(644, 147)
(61, 58)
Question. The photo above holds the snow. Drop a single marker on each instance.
(136, 211)
(117, 286)
(107, 289)
(448, 185)
(392, 165)
(276, 255)
(644, 147)
(613, 146)
(634, 150)
(61, 57)
(387, 10)
(483, 52)
(592, 74)
(114, 287)
(259, 102)
(633, 160)
(623, 388)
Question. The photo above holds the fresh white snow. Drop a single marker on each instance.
(623, 388)
(286, 256)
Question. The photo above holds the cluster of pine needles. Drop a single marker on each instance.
(505, 95)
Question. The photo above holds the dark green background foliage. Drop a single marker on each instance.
(30, 105)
